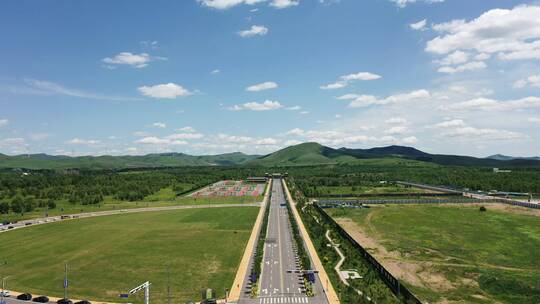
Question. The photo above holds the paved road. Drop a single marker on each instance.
(279, 284)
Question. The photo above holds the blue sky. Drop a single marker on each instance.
(213, 76)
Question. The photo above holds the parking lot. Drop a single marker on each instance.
(230, 188)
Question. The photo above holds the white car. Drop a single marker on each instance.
(4, 293)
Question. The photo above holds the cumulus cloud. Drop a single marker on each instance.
(397, 130)
(284, 3)
(186, 129)
(358, 101)
(404, 3)
(419, 26)
(84, 142)
(164, 91)
(512, 34)
(255, 30)
(450, 123)
(160, 125)
(184, 136)
(533, 81)
(534, 119)
(267, 105)
(487, 104)
(457, 128)
(396, 120)
(14, 144)
(410, 140)
(470, 66)
(226, 4)
(345, 80)
(152, 140)
(262, 86)
(4, 122)
(135, 60)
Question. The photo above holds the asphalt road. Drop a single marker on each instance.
(279, 283)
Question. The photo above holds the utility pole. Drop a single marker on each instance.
(168, 285)
(65, 281)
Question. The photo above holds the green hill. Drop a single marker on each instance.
(43, 161)
(305, 154)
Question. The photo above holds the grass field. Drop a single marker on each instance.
(162, 198)
(109, 255)
(362, 190)
(451, 254)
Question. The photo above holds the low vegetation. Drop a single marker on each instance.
(455, 253)
(109, 255)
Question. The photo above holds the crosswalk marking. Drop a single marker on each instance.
(284, 300)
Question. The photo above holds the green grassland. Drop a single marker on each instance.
(163, 198)
(483, 257)
(362, 190)
(109, 255)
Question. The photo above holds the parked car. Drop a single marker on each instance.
(41, 299)
(64, 301)
(83, 302)
(5, 293)
(24, 297)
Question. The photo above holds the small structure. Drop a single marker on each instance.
(256, 179)
(497, 170)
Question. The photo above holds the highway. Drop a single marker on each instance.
(279, 283)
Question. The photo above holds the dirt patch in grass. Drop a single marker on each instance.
(413, 272)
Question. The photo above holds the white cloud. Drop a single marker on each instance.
(397, 130)
(534, 119)
(404, 3)
(226, 4)
(141, 134)
(450, 124)
(410, 140)
(513, 34)
(284, 3)
(184, 136)
(470, 66)
(419, 26)
(152, 140)
(215, 72)
(345, 80)
(533, 80)
(160, 125)
(4, 122)
(255, 30)
(473, 133)
(186, 129)
(457, 57)
(396, 120)
(135, 60)
(256, 106)
(50, 88)
(262, 86)
(294, 108)
(358, 101)
(487, 104)
(266, 141)
(14, 145)
(84, 142)
(164, 91)
(295, 132)
(39, 136)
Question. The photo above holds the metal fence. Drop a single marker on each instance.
(392, 282)
(353, 203)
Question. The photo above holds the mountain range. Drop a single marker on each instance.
(299, 155)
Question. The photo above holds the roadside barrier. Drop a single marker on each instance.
(402, 292)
